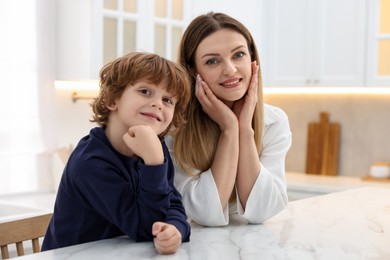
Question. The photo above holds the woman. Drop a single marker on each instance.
(230, 155)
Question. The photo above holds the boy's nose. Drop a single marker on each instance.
(157, 103)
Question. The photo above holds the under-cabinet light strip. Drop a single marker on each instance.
(93, 85)
(327, 90)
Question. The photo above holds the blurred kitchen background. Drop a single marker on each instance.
(316, 56)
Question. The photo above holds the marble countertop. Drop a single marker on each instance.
(324, 184)
(352, 224)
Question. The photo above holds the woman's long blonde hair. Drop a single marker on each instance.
(194, 145)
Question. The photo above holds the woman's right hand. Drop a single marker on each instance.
(218, 111)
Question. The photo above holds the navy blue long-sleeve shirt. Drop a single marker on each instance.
(104, 194)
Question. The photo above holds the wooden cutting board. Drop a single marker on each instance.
(322, 156)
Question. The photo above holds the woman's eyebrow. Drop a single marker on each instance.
(238, 47)
(210, 54)
(217, 54)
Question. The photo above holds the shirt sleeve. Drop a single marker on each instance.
(269, 193)
(200, 196)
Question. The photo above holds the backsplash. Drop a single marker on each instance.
(365, 127)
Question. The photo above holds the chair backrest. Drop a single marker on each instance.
(21, 230)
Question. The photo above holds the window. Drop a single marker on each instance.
(119, 28)
(27, 135)
(123, 26)
(168, 27)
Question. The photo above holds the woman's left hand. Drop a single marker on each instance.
(245, 107)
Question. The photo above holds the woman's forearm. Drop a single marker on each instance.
(248, 165)
(224, 166)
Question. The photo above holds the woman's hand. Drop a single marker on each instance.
(224, 165)
(245, 107)
(167, 238)
(248, 162)
(218, 111)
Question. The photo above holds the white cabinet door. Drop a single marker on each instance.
(94, 32)
(378, 53)
(314, 43)
(74, 40)
(287, 42)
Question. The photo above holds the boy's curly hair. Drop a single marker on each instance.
(133, 67)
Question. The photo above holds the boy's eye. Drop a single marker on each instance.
(168, 100)
(211, 61)
(144, 91)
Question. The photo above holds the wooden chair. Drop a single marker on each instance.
(21, 230)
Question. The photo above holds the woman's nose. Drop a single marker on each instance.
(229, 68)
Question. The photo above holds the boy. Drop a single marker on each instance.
(119, 178)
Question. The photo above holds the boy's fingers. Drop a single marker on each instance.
(157, 228)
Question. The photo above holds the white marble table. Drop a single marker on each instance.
(353, 224)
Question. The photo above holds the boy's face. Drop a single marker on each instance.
(146, 104)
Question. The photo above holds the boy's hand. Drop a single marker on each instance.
(167, 238)
(144, 142)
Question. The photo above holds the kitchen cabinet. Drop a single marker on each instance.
(92, 33)
(378, 52)
(314, 42)
(75, 45)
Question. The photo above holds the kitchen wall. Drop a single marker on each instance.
(364, 120)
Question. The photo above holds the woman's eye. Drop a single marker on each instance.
(239, 54)
(212, 61)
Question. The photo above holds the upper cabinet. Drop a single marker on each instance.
(378, 51)
(75, 47)
(94, 32)
(301, 42)
(314, 42)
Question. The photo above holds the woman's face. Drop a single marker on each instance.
(223, 61)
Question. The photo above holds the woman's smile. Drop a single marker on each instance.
(231, 83)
